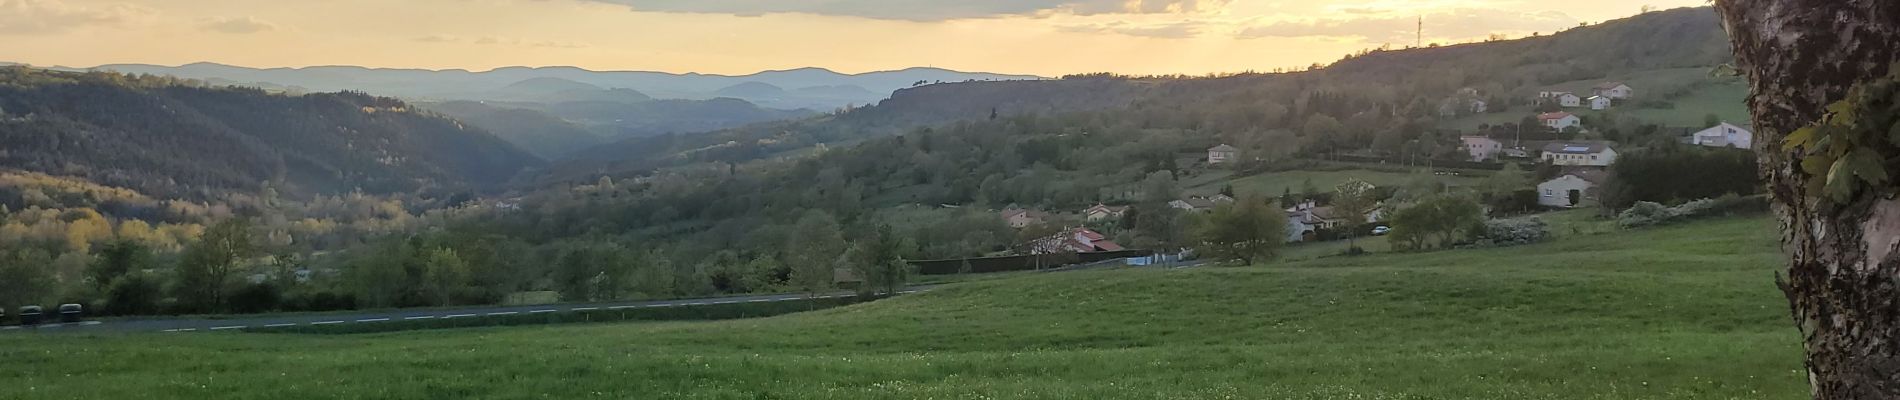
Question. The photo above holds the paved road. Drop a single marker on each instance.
(370, 317)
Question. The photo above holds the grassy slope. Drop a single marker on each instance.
(1673, 313)
(1722, 97)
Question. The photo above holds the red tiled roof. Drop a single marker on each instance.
(1554, 115)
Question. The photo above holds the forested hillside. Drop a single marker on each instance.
(169, 138)
(1384, 102)
(544, 135)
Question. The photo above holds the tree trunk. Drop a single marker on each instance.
(1800, 56)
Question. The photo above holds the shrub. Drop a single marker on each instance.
(1513, 232)
(1650, 214)
(1645, 213)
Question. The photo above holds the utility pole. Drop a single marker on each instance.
(1419, 41)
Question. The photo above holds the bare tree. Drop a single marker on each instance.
(1843, 276)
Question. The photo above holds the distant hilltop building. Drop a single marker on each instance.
(1222, 154)
(1613, 90)
(1563, 99)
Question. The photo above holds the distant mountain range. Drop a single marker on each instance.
(814, 88)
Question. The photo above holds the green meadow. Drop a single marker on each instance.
(1679, 312)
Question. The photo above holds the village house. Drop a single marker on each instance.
(1613, 90)
(1600, 103)
(1200, 204)
(1077, 240)
(1724, 135)
(1559, 120)
(1022, 218)
(1572, 189)
(1587, 154)
(1563, 99)
(1104, 212)
(1305, 220)
(1222, 154)
(1481, 148)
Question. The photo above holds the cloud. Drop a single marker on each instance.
(922, 10)
(236, 25)
(54, 16)
(501, 41)
(1174, 30)
(1456, 24)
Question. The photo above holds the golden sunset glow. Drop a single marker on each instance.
(1049, 37)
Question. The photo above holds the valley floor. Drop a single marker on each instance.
(1683, 312)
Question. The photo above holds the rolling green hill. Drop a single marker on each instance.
(1685, 312)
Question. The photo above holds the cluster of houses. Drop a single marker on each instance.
(1306, 219)
(1585, 162)
(1602, 97)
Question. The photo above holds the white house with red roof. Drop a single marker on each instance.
(1102, 212)
(1559, 120)
(1077, 240)
(1613, 90)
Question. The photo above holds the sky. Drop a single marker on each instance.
(1042, 37)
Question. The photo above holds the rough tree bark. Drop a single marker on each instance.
(1843, 270)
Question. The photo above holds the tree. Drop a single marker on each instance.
(117, 259)
(1801, 56)
(136, 293)
(879, 260)
(1510, 179)
(207, 266)
(1353, 201)
(1436, 221)
(813, 250)
(1247, 230)
(24, 277)
(446, 277)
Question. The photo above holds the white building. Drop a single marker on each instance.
(1481, 148)
(1222, 154)
(1559, 120)
(1614, 90)
(1579, 154)
(1563, 99)
(1570, 190)
(1724, 135)
(1600, 103)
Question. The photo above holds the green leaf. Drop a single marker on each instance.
(1804, 137)
(1867, 165)
(1816, 164)
(1840, 182)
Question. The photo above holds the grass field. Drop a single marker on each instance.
(1721, 97)
(1273, 184)
(1682, 312)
